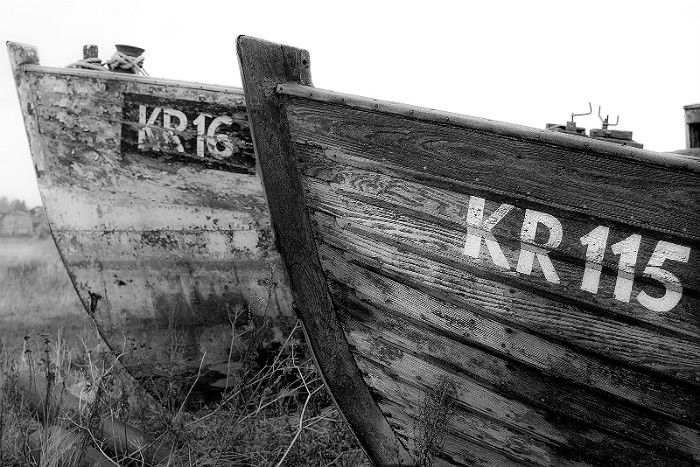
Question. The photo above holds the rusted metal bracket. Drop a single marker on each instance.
(571, 126)
(605, 120)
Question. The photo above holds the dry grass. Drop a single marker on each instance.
(277, 414)
(35, 291)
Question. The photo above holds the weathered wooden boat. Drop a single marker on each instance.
(151, 192)
(481, 293)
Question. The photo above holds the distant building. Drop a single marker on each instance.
(692, 126)
(16, 224)
(37, 211)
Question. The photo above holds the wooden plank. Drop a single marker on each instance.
(556, 321)
(155, 185)
(76, 209)
(206, 132)
(446, 240)
(463, 326)
(624, 142)
(263, 66)
(366, 180)
(614, 134)
(444, 246)
(474, 427)
(141, 118)
(197, 247)
(391, 341)
(502, 372)
(455, 449)
(567, 437)
(145, 308)
(569, 415)
(196, 87)
(411, 112)
(579, 446)
(642, 195)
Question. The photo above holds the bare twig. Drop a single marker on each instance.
(300, 428)
(178, 416)
(257, 379)
(94, 439)
(231, 344)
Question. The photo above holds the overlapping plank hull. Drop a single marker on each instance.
(506, 295)
(541, 371)
(170, 249)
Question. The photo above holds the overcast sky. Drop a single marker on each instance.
(523, 62)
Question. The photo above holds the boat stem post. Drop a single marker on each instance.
(265, 65)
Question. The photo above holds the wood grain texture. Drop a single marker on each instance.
(477, 396)
(570, 410)
(515, 306)
(515, 395)
(438, 239)
(263, 64)
(411, 112)
(645, 196)
(166, 254)
(357, 178)
(508, 441)
(423, 222)
(455, 449)
(460, 325)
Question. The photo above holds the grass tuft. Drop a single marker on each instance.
(65, 400)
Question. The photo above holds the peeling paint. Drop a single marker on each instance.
(158, 237)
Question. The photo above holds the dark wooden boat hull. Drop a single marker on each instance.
(153, 198)
(479, 293)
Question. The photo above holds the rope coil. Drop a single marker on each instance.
(125, 62)
(93, 63)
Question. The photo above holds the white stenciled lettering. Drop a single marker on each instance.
(145, 125)
(628, 249)
(529, 249)
(201, 122)
(213, 138)
(210, 136)
(480, 232)
(596, 241)
(168, 114)
(674, 290)
(478, 229)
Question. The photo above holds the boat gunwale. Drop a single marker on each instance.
(665, 159)
(149, 80)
